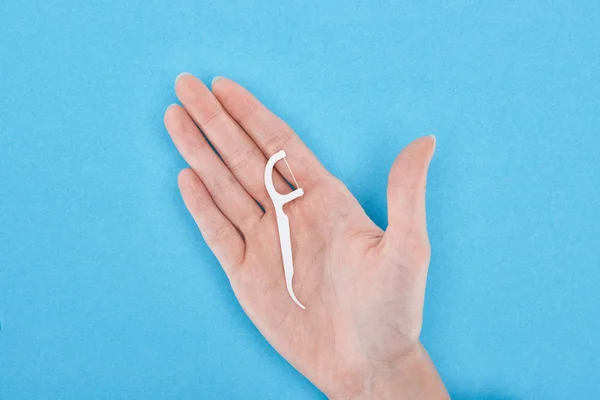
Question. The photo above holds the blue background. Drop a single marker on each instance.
(107, 290)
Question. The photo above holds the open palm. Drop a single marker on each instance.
(362, 287)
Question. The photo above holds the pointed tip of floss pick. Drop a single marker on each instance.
(293, 296)
(298, 303)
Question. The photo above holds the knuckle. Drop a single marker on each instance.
(220, 234)
(208, 111)
(250, 222)
(198, 150)
(223, 185)
(202, 204)
(418, 249)
(277, 139)
(245, 110)
(407, 183)
(412, 246)
(241, 158)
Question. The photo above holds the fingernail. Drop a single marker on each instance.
(434, 141)
(181, 75)
(216, 78)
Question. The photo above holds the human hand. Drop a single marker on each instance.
(363, 288)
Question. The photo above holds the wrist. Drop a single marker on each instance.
(410, 376)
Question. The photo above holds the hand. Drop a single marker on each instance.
(363, 288)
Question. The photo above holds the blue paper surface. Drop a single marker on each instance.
(107, 289)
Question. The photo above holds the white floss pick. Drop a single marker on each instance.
(283, 222)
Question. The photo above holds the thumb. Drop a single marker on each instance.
(407, 229)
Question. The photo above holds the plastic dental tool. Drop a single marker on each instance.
(283, 222)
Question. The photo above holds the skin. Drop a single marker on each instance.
(363, 287)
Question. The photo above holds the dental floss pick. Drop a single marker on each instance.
(283, 222)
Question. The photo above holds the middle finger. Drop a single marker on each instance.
(238, 151)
